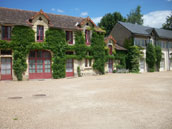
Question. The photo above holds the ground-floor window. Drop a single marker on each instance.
(6, 68)
(171, 63)
(39, 64)
(162, 63)
(88, 62)
(110, 65)
(69, 68)
(142, 64)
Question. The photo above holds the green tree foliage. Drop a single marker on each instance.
(150, 57)
(55, 39)
(168, 24)
(22, 37)
(80, 46)
(158, 52)
(97, 44)
(133, 58)
(135, 16)
(109, 20)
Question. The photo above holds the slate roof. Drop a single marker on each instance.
(118, 47)
(164, 33)
(146, 31)
(21, 17)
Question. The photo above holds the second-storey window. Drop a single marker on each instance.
(40, 33)
(87, 37)
(69, 37)
(110, 49)
(6, 32)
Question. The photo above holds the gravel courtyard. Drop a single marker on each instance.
(112, 101)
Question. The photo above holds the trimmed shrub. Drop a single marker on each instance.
(158, 52)
(150, 57)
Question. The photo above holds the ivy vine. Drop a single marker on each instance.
(22, 37)
(98, 45)
(56, 41)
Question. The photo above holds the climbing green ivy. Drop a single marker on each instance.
(55, 39)
(23, 41)
(98, 45)
(22, 37)
(80, 46)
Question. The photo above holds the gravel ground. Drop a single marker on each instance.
(112, 101)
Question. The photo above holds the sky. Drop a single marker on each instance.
(154, 11)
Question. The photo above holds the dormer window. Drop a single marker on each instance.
(110, 49)
(40, 33)
(6, 32)
(87, 37)
(69, 37)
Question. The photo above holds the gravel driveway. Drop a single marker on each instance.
(112, 101)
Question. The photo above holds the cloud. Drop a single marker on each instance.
(60, 11)
(53, 9)
(84, 14)
(169, 0)
(96, 20)
(155, 18)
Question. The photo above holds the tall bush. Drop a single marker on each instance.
(158, 52)
(133, 58)
(150, 57)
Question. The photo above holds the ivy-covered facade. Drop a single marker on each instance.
(38, 45)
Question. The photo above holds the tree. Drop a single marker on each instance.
(168, 24)
(135, 16)
(158, 52)
(109, 20)
(150, 57)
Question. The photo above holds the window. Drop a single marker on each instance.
(110, 49)
(86, 63)
(6, 32)
(69, 53)
(69, 37)
(87, 37)
(90, 61)
(6, 52)
(170, 44)
(40, 33)
(140, 42)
